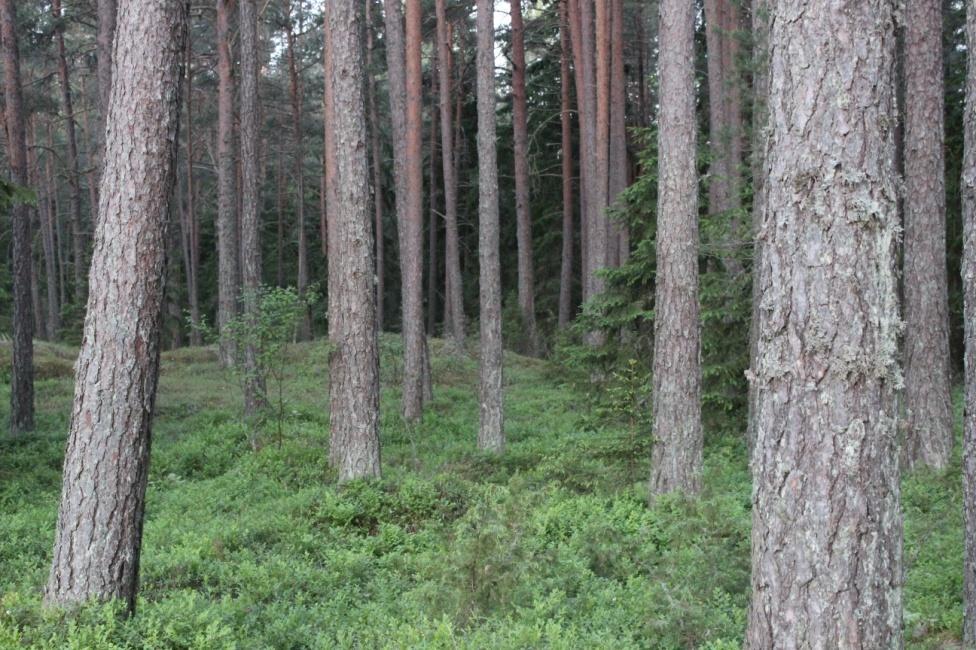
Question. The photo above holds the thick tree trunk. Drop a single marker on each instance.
(374, 147)
(827, 533)
(354, 362)
(227, 237)
(452, 259)
(968, 186)
(928, 437)
(254, 383)
(22, 371)
(412, 222)
(595, 50)
(74, 177)
(566, 264)
(297, 102)
(677, 453)
(191, 229)
(99, 529)
(491, 434)
(523, 212)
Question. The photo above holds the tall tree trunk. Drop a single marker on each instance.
(74, 177)
(583, 71)
(254, 383)
(99, 529)
(566, 265)
(48, 242)
(523, 211)
(434, 221)
(618, 174)
(22, 372)
(968, 187)
(280, 212)
(374, 147)
(103, 45)
(827, 532)
(191, 231)
(928, 437)
(677, 453)
(37, 218)
(452, 259)
(491, 434)
(227, 237)
(354, 363)
(596, 93)
(297, 101)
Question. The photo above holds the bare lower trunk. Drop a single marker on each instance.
(103, 44)
(618, 243)
(191, 234)
(255, 397)
(566, 265)
(968, 187)
(374, 147)
(826, 534)
(48, 241)
(434, 221)
(22, 368)
(523, 211)
(677, 453)
(227, 237)
(928, 437)
(354, 362)
(99, 529)
(491, 434)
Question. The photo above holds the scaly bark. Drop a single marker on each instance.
(228, 250)
(22, 369)
(103, 46)
(826, 523)
(99, 528)
(566, 263)
(928, 434)
(677, 453)
(354, 361)
(374, 148)
(618, 243)
(491, 433)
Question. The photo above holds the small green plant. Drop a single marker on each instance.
(268, 332)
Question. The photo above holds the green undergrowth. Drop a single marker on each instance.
(551, 545)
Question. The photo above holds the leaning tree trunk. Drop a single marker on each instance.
(827, 533)
(677, 453)
(491, 435)
(452, 255)
(254, 384)
(354, 362)
(928, 438)
(228, 248)
(969, 316)
(22, 371)
(523, 212)
(99, 529)
(566, 264)
(74, 176)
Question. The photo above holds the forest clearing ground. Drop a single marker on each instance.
(550, 545)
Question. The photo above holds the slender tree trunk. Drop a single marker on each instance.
(192, 229)
(74, 182)
(618, 174)
(968, 187)
(374, 146)
(677, 453)
(596, 61)
(523, 211)
(354, 363)
(103, 44)
(491, 434)
(280, 212)
(582, 81)
(48, 217)
(827, 532)
(297, 101)
(566, 266)
(452, 260)
(928, 437)
(255, 397)
(22, 371)
(99, 529)
(37, 218)
(227, 237)
(432, 265)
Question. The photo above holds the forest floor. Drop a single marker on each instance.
(551, 545)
